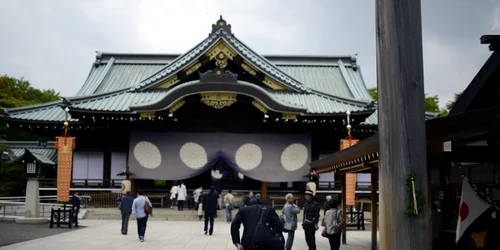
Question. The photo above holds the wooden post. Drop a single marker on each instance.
(344, 209)
(402, 133)
(374, 198)
(263, 191)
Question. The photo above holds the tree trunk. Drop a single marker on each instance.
(401, 123)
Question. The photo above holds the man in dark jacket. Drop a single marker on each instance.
(210, 208)
(311, 219)
(249, 216)
(126, 209)
(75, 202)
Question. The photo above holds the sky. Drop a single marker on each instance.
(53, 43)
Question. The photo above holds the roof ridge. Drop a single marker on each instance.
(40, 105)
(117, 55)
(222, 31)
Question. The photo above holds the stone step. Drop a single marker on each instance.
(154, 217)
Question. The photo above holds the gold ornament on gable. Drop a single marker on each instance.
(147, 114)
(193, 68)
(221, 47)
(218, 100)
(259, 106)
(288, 116)
(169, 82)
(249, 69)
(176, 106)
(273, 84)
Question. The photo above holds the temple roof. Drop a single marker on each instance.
(44, 154)
(118, 82)
(338, 76)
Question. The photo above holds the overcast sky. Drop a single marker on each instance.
(52, 43)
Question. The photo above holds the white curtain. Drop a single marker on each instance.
(88, 165)
(80, 166)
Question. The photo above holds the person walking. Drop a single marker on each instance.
(249, 217)
(75, 204)
(173, 195)
(259, 200)
(229, 202)
(196, 196)
(210, 208)
(248, 198)
(311, 219)
(290, 210)
(326, 205)
(333, 222)
(126, 210)
(181, 196)
(200, 207)
(138, 210)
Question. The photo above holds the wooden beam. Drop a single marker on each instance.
(402, 129)
(374, 200)
(344, 208)
(263, 190)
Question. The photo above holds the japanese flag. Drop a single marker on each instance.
(471, 207)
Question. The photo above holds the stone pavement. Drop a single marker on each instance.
(165, 235)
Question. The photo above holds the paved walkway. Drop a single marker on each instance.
(164, 235)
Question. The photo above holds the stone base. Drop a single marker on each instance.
(23, 220)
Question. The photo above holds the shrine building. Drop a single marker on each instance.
(220, 113)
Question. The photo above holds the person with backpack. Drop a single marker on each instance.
(262, 228)
(141, 207)
(290, 211)
(333, 225)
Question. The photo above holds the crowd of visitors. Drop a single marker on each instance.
(263, 227)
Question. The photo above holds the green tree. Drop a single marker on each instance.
(431, 102)
(17, 93)
(450, 104)
(12, 182)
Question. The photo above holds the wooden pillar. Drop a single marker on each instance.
(402, 135)
(374, 198)
(263, 191)
(132, 187)
(344, 209)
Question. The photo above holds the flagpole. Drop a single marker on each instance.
(481, 193)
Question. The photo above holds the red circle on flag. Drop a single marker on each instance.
(464, 211)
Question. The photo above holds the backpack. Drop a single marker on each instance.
(265, 236)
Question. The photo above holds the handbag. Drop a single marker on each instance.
(324, 233)
(323, 223)
(283, 221)
(265, 236)
(147, 208)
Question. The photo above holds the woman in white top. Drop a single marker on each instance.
(333, 224)
(181, 196)
(173, 195)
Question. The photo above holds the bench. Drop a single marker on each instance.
(157, 196)
(282, 201)
(64, 216)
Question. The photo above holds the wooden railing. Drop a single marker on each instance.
(83, 183)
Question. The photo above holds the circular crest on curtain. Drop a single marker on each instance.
(147, 154)
(216, 174)
(294, 157)
(193, 155)
(248, 156)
